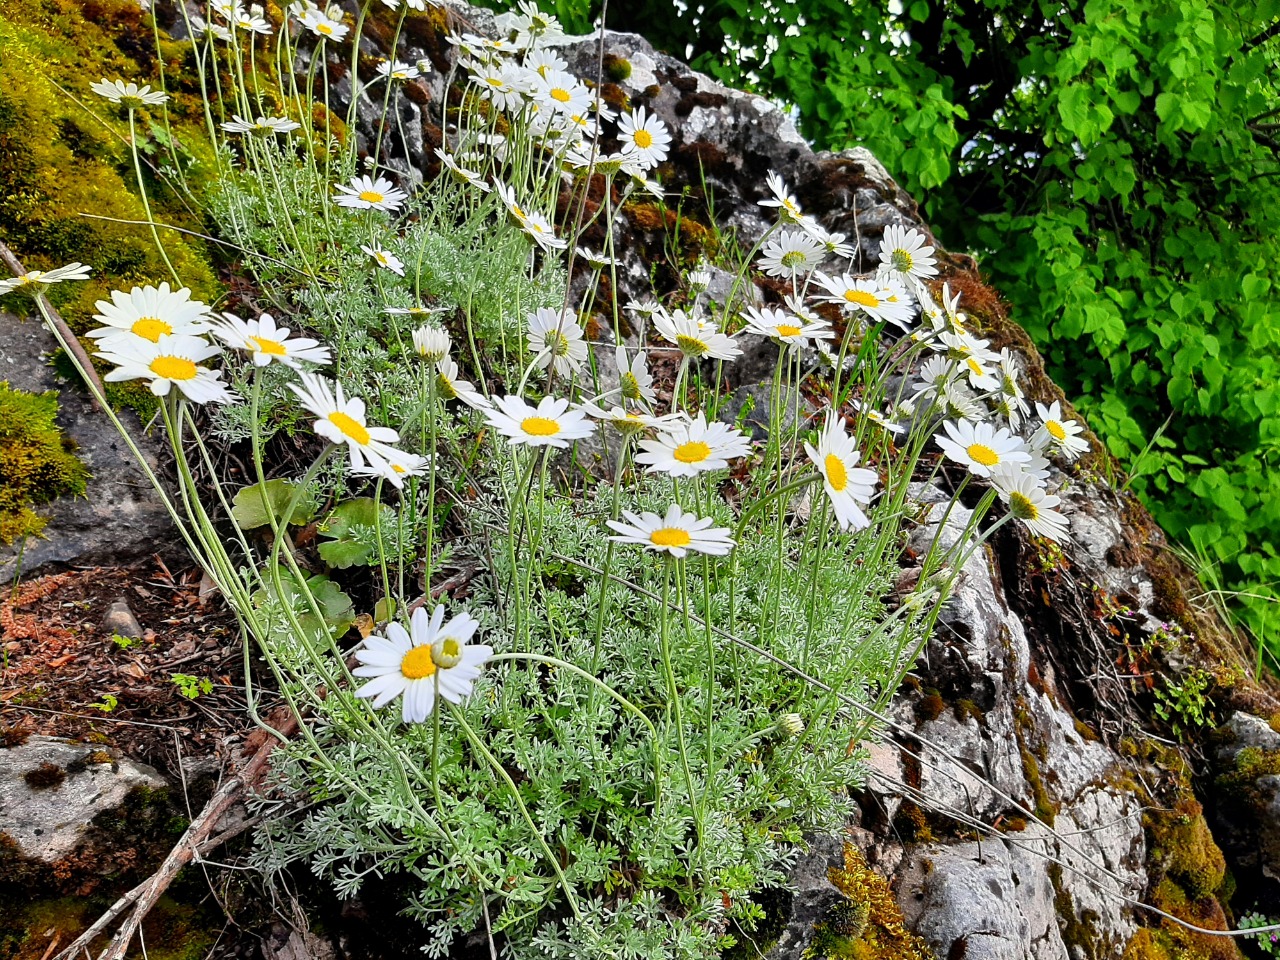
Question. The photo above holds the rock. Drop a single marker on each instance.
(120, 518)
(53, 791)
(810, 897)
(120, 621)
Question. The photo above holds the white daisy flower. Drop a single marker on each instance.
(262, 127)
(878, 300)
(389, 70)
(685, 449)
(342, 420)
(973, 356)
(555, 339)
(37, 279)
(935, 375)
(171, 361)
(128, 94)
(431, 656)
(395, 466)
(551, 424)
(324, 26)
(790, 254)
(499, 83)
(595, 260)
(1011, 402)
(250, 21)
(431, 343)
(450, 387)
(848, 486)
(782, 199)
(1064, 436)
(545, 61)
(265, 342)
(461, 174)
(385, 259)
(695, 338)
(644, 137)
(876, 417)
(677, 533)
(980, 446)
(636, 383)
(629, 421)
(537, 227)
(365, 193)
(782, 328)
(951, 311)
(149, 313)
(905, 253)
(1028, 502)
(835, 244)
(560, 91)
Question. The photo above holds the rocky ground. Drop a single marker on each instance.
(1050, 785)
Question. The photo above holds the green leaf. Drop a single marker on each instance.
(254, 506)
(351, 532)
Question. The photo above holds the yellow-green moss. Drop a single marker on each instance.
(36, 461)
(868, 925)
(60, 159)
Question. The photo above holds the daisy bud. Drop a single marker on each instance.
(431, 343)
(446, 652)
(789, 726)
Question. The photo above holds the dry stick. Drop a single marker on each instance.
(72, 341)
(195, 842)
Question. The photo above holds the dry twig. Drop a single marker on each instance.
(200, 838)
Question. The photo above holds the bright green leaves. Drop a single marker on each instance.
(352, 531)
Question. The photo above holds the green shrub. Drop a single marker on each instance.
(36, 462)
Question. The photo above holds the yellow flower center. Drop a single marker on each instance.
(1055, 430)
(520, 214)
(445, 387)
(150, 328)
(270, 347)
(837, 475)
(788, 330)
(792, 259)
(981, 453)
(975, 366)
(630, 386)
(670, 537)
(692, 345)
(371, 196)
(861, 298)
(1020, 506)
(695, 451)
(643, 139)
(902, 261)
(417, 664)
(351, 428)
(561, 94)
(494, 81)
(325, 29)
(540, 426)
(173, 368)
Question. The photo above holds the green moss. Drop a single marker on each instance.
(53, 49)
(616, 68)
(37, 464)
(868, 925)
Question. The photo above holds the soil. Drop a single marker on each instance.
(65, 673)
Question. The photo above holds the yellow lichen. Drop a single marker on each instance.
(869, 924)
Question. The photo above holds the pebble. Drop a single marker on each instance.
(120, 621)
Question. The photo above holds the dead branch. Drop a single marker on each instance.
(199, 838)
(72, 341)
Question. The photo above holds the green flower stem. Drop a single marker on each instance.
(673, 692)
(146, 203)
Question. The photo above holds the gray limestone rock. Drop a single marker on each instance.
(120, 517)
(52, 791)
